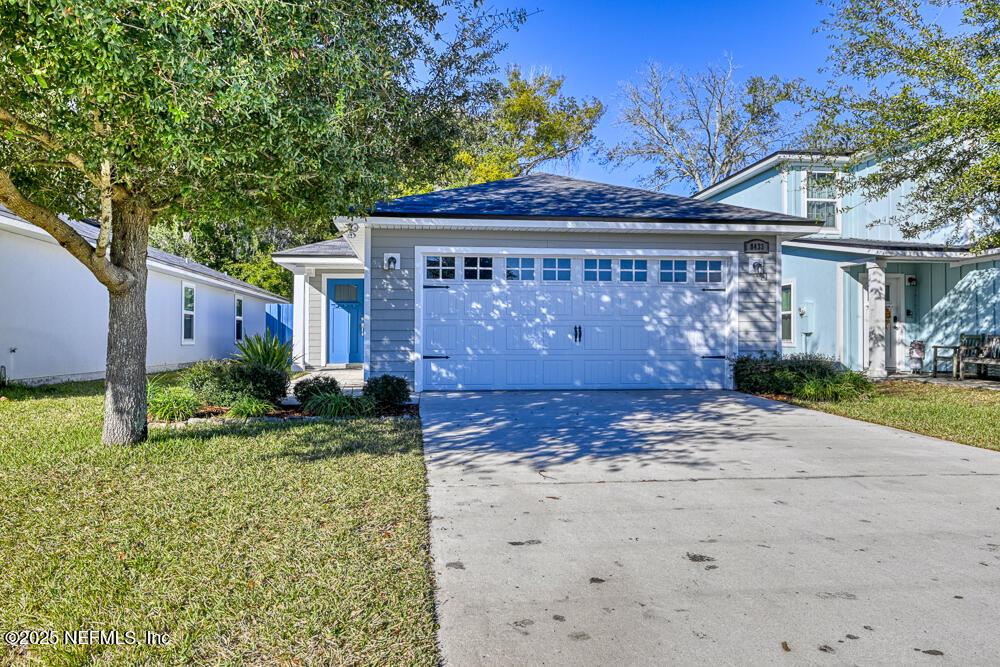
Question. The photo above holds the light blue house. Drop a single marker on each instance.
(858, 291)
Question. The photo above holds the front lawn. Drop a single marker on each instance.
(302, 544)
(968, 416)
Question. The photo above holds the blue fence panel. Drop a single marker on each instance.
(279, 320)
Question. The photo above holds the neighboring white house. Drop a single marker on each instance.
(53, 312)
(544, 282)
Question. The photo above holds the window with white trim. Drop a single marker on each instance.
(478, 268)
(520, 268)
(439, 267)
(556, 268)
(673, 270)
(239, 319)
(187, 313)
(632, 270)
(708, 271)
(786, 314)
(595, 270)
(821, 198)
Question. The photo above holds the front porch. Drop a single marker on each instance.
(891, 305)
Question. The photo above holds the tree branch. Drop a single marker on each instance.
(113, 277)
(104, 236)
(46, 140)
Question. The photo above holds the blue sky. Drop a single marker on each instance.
(598, 45)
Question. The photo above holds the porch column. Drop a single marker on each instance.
(876, 318)
(298, 319)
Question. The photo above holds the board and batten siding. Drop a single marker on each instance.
(392, 292)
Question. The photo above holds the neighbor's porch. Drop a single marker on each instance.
(890, 304)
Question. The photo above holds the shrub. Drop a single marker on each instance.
(266, 352)
(389, 392)
(261, 382)
(205, 379)
(248, 406)
(318, 384)
(225, 382)
(170, 404)
(807, 376)
(330, 404)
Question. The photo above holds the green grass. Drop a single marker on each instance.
(959, 414)
(303, 544)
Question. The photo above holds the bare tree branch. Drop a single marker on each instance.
(699, 128)
(113, 277)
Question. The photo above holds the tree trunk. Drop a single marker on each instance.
(125, 392)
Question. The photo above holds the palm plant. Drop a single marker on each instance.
(265, 351)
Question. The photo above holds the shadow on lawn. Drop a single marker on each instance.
(311, 441)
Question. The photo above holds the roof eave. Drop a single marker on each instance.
(628, 225)
(762, 165)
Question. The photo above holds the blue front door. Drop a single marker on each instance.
(346, 308)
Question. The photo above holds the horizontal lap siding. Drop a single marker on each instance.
(314, 342)
(392, 292)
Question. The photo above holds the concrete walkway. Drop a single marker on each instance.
(595, 528)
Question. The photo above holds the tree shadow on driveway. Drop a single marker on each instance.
(475, 431)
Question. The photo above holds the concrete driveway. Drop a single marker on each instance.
(704, 527)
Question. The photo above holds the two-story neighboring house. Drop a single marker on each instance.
(857, 291)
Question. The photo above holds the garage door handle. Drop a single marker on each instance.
(713, 356)
(713, 289)
(435, 286)
(436, 356)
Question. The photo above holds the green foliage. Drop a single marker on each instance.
(369, 91)
(389, 392)
(318, 384)
(248, 406)
(261, 382)
(169, 404)
(334, 404)
(807, 376)
(923, 100)
(528, 122)
(266, 351)
(206, 380)
(223, 383)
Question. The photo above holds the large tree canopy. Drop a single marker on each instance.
(523, 124)
(277, 112)
(696, 129)
(923, 101)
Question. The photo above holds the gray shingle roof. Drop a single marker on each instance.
(337, 247)
(89, 232)
(548, 196)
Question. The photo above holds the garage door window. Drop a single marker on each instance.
(632, 270)
(595, 270)
(556, 268)
(708, 271)
(440, 268)
(673, 270)
(478, 268)
(520, 268)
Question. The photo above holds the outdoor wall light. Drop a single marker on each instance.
(390, 261)
(757, 267)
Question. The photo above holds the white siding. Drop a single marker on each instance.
(54, 313)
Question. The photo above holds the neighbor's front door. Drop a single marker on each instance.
(344, 335)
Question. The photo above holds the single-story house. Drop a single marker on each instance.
(54, 323)
(543, 282)
(857, 290)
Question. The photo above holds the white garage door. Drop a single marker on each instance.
(563, 322)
